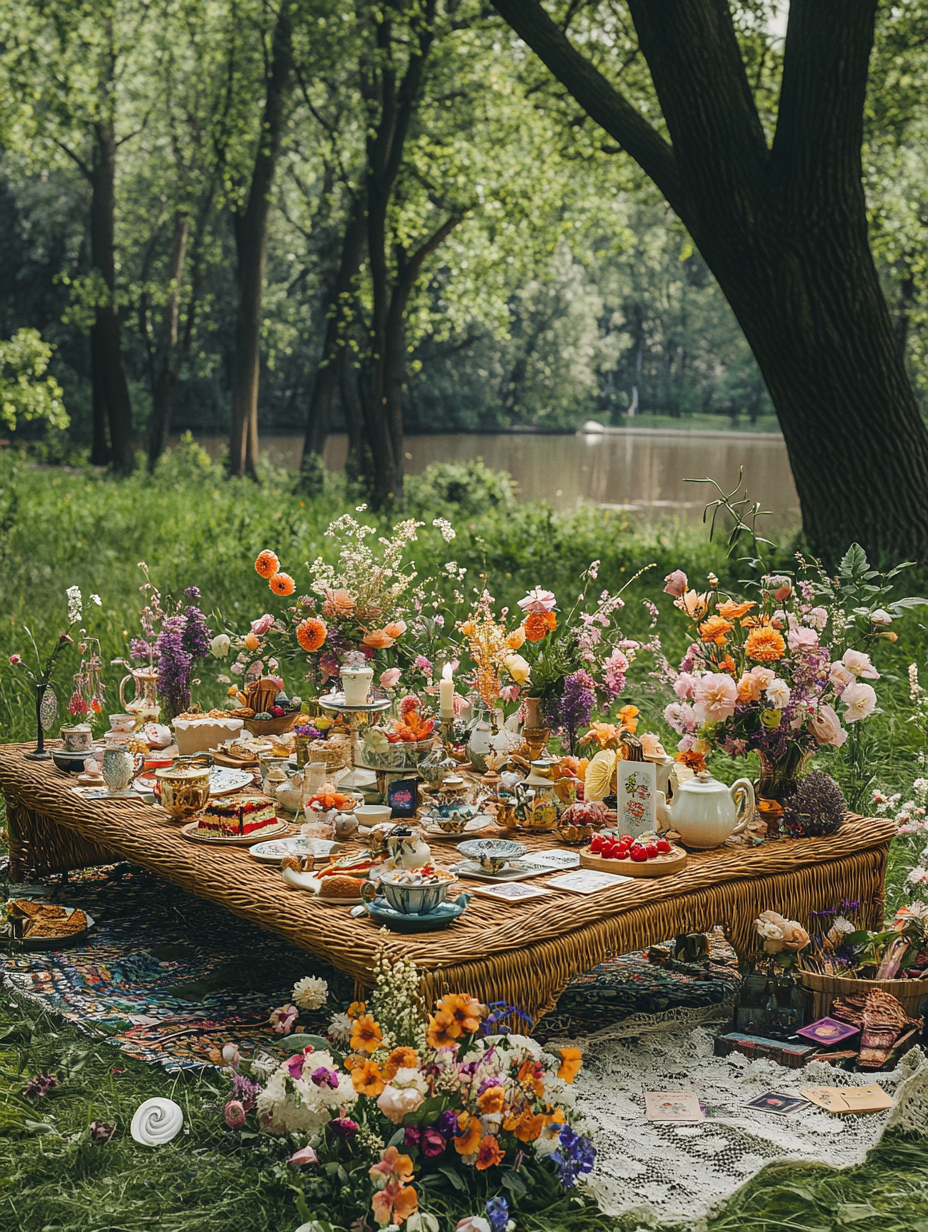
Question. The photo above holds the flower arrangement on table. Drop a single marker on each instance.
(840, 948)
(399, 1109)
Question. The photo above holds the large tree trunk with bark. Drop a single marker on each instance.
(784, 230)
(164, 378)
(339, 318)
(108, 367)
(251, 250)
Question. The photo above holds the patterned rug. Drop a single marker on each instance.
(169, 978)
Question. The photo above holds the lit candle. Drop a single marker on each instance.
(446, 694)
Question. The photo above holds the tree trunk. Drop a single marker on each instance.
(99, 451)
(784, 230)
(356, 461)
(108, 366)
(251, 250)
(165, 377)
(339, 317)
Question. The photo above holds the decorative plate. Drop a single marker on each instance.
(233, 840)
(511, 872)
(274, 851)
(382, 913)
(48, 711)
(475, 826)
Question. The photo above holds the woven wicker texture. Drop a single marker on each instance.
(523, 954)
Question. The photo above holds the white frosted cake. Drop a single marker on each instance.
(199, 735)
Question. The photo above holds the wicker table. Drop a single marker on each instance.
(524, 954)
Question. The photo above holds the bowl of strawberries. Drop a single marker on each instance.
(648, 855)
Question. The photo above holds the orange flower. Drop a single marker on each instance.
(733, 611)
(338, 603)
(395, 629)
(603, 733)
(515, 639)
(695, 605)
(311, 633)
(443, 1031)
(470, 1136)
(357, 1008)
(282, 584)
(695, 761)
(366, 1036)
(378, 638)
(489, 1154)
(367, 1079)
(405, 1203)
(571, 1064)
(714, 630)
(629, 717)
(251, 641)
(466, 1011)
(537, 624)
(765, 645)
(399, 1058)
(491, 1100)
(469, 628)
(528, 1126)
(530, 1077)
(267, 564)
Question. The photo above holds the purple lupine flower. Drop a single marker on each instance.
(139, 648)
(192, 593)
(197, 634)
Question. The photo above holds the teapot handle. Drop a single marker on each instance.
(745, 789)
(122, 690)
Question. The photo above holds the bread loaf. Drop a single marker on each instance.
(339, 886)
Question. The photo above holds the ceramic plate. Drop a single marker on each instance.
(446, 913)
(275, 850)
(223, 840)
(513, 872)
(475, 826)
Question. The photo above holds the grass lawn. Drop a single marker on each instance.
(192, 526)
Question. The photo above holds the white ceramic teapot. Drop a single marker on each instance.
(705, 812)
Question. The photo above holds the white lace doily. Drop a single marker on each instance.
(665, 1172)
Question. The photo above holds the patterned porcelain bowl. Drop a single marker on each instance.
(492, 854)
(412, 899)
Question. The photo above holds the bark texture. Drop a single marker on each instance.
(250, 229)
(784, 230)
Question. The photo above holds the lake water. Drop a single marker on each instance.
(642, 469)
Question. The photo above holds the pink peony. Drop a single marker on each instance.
(675, 583)
(715, 695)
(763, 674)
(234, 1113)
(802, 639)
(860, 700)
(826, 727)
(680, 716)
(390, 678)
(538, 600)
(262, 624)
(859, 663)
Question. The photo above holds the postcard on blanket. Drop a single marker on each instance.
(672, 1106)
(510, 891)
(586, 881)
(778, 1103)
(871, 1098)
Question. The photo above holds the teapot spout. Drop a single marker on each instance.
(664, 812)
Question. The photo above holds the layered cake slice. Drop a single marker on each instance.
(238, 817)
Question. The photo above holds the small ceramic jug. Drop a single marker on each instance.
(118, 768)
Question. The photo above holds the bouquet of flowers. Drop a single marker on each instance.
(899, 952)
(400, 1101)
(175, 635)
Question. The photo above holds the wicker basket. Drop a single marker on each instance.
(271, 727)
(825, 988)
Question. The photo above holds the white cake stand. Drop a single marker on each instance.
(359, 776)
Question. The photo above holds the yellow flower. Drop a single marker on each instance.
(516, 638)
(517, 667)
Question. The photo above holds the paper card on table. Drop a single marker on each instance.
(586, 881)
(556, 858)
(637, 797)
(871, 1098)
(778, 1102)
(672, 1106)
(510, 891)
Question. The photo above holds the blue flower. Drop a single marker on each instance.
(498, 1214)
(574, 1157)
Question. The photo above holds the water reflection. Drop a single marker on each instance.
(642, 469)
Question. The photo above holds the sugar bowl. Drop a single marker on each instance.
(183, 787)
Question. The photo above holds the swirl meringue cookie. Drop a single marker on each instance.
(156, 1122)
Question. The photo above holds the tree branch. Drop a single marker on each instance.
(597, 96)
(85, 170)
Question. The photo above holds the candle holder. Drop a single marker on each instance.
(447, 733)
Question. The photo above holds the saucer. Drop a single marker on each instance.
(444, 914)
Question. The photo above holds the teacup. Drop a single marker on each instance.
(77, 738)
(372, 814)
(122, 722)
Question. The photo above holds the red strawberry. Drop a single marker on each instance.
(638, 854)
(627, 839)
(663, 846)
(596, 843)
(651, 850)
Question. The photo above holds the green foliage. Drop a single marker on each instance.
(24, 395)
(467, 487)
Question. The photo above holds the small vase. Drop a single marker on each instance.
(534, 732)
(779, 777)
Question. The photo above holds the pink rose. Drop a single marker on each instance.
(826, 727)
(234, 1113)
(683, 686)
(15, 659)
(860, 700)
(262, 624)
(680, 717)
(715, 695)
(763, 674)
(390, 678)
(675, 583)
(859, 663)
(802, 639)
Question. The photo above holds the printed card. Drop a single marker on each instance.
(511, 891)
(828, 1031)
(556, 858)
(637, 797)
(778, 1103)
(672, 1106)
(586, 881)
(871, 1098)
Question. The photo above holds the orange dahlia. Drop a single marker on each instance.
(537, 624)
(267, 564)
(492, 1100)
(311, 633)
(715, 629)
(282, 584)
(765, 645)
